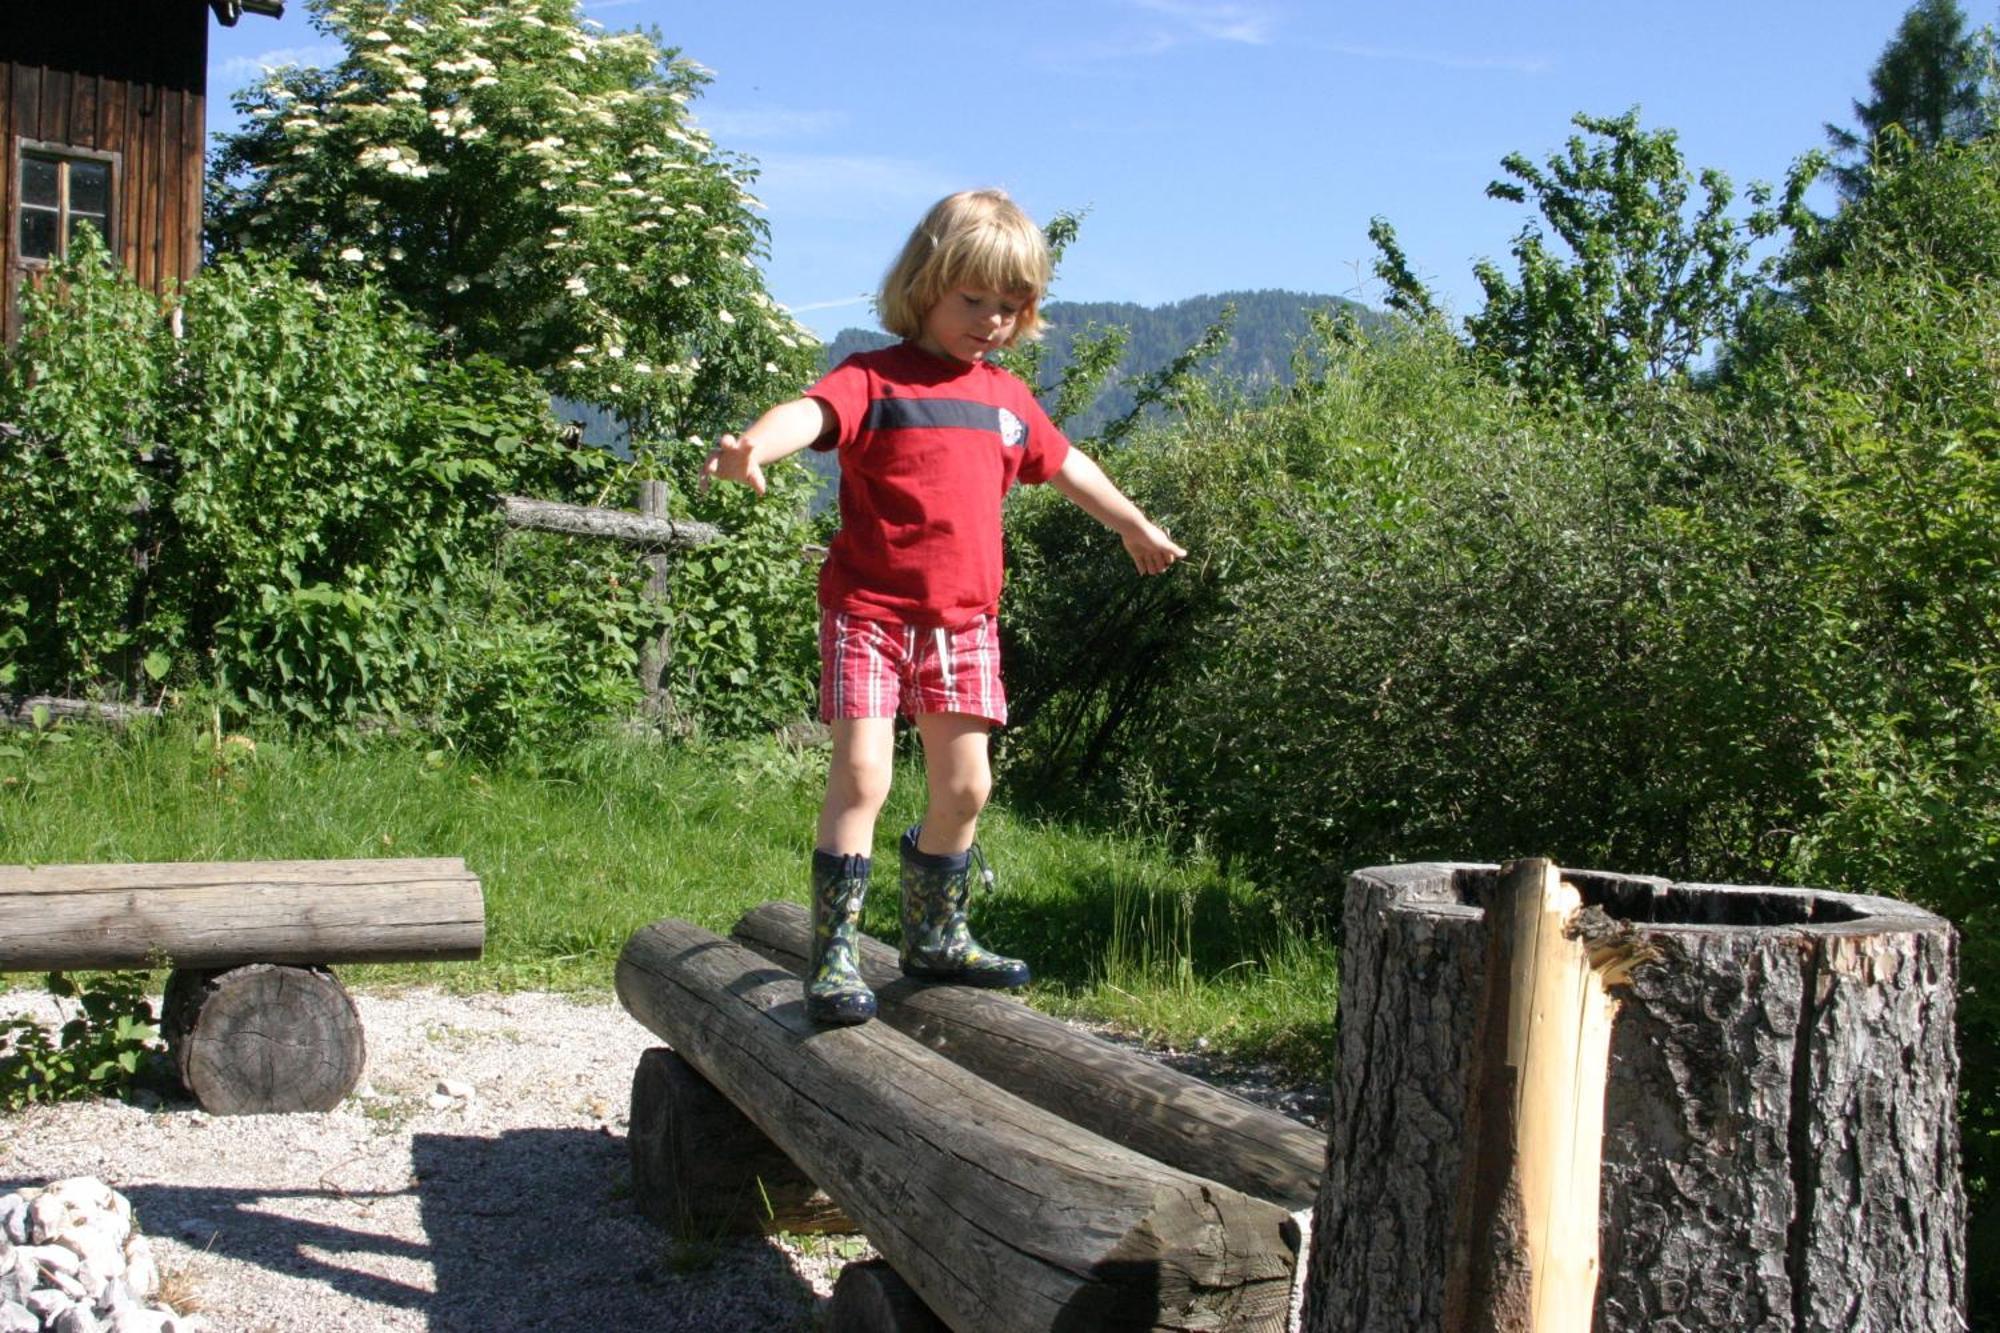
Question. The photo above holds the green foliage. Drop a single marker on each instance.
(533, 189)
(80, 402)
(318, 517)
(1413, 610)
(1887, 387)
(1930, 84)
(107, 1050)
(1648, 277)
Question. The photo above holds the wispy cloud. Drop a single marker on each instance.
(1443, 59)
(862, 298)
(849, 188)
(1160, 26)
(1224, 22)
(241, 69)
(770, 123)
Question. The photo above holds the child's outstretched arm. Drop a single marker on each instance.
(1084, 483)
(779, 433)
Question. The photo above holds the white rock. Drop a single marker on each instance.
(18, 1318)
(76, 1319)
(452, 1087)
(46, 1216)
(47, 1303)
(115, 1294)
(138, 1319)
(14, 1218)
(142, 1271)
(54, 1258)
(183, 1323)
(99, 1246)
(65, 1283)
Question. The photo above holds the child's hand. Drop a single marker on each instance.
(733, 459)
(1151, 548)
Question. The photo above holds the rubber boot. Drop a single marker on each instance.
(835, 992)
(937, 946)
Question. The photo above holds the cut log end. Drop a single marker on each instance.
(700, 1167)
(263, 1038)
(871, 1297)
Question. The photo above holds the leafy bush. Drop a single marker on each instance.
(1419, 619)
(312, 489)
(108, 1048)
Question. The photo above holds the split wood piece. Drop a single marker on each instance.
(220, 914)
(701, 1168)
(263, 1039)
(1525, 1259)
(619, 525)
(1121, 1094)
(1779, 1147)
(870, 1297)
(22, 711)
(1004, 1217)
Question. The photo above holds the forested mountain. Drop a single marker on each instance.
(1267, 325)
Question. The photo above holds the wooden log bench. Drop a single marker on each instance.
(253, 1016)
(1002, 1216)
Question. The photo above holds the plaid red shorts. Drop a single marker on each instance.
(879, 668)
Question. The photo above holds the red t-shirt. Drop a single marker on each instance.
(928, 447)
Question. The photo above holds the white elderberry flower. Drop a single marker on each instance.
(577, 287)
(680, 280)
(456, 283)
(351, 255)
(725, 316)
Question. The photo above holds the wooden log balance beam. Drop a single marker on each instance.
(253, 1018)
(1004, 1217)
(1118, 1093)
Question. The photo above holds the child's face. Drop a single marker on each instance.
(969, 322)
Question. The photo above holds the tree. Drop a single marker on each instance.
(1649, 282)
(533, 189)
(1928, 84)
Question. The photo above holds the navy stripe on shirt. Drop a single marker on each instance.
(931, 413)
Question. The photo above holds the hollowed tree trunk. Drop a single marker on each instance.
(1779, 1144)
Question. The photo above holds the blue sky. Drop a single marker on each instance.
(1211, 145)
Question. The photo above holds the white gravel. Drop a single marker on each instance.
(477, 1179)
(406, 1208)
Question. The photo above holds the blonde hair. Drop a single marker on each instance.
(976, 238)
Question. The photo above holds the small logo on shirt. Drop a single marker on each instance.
(1013, 430)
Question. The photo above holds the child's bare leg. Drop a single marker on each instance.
(959, 771)
(857, 783)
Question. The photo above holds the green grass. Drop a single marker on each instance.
(577, 851)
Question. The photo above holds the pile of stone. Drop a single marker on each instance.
(70, 1262)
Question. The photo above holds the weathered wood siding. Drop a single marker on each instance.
(118, 77)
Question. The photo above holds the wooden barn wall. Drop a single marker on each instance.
(114, 76)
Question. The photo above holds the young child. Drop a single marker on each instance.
(930, 438)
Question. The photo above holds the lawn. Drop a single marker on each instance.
(577, 850)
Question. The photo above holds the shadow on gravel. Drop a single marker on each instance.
(526, 1232)
(529, 1230)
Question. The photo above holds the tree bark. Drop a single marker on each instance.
(263, 1039)
(1779, 1147)
(221, 914)
(1121, 1094)
(1003, 1217)
(701, 1168)
(617, 525)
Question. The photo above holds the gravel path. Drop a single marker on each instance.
(408, 1207)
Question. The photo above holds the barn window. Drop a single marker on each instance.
(60, 194)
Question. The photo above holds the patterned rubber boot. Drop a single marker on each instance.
(835, 993)
(937, 946)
